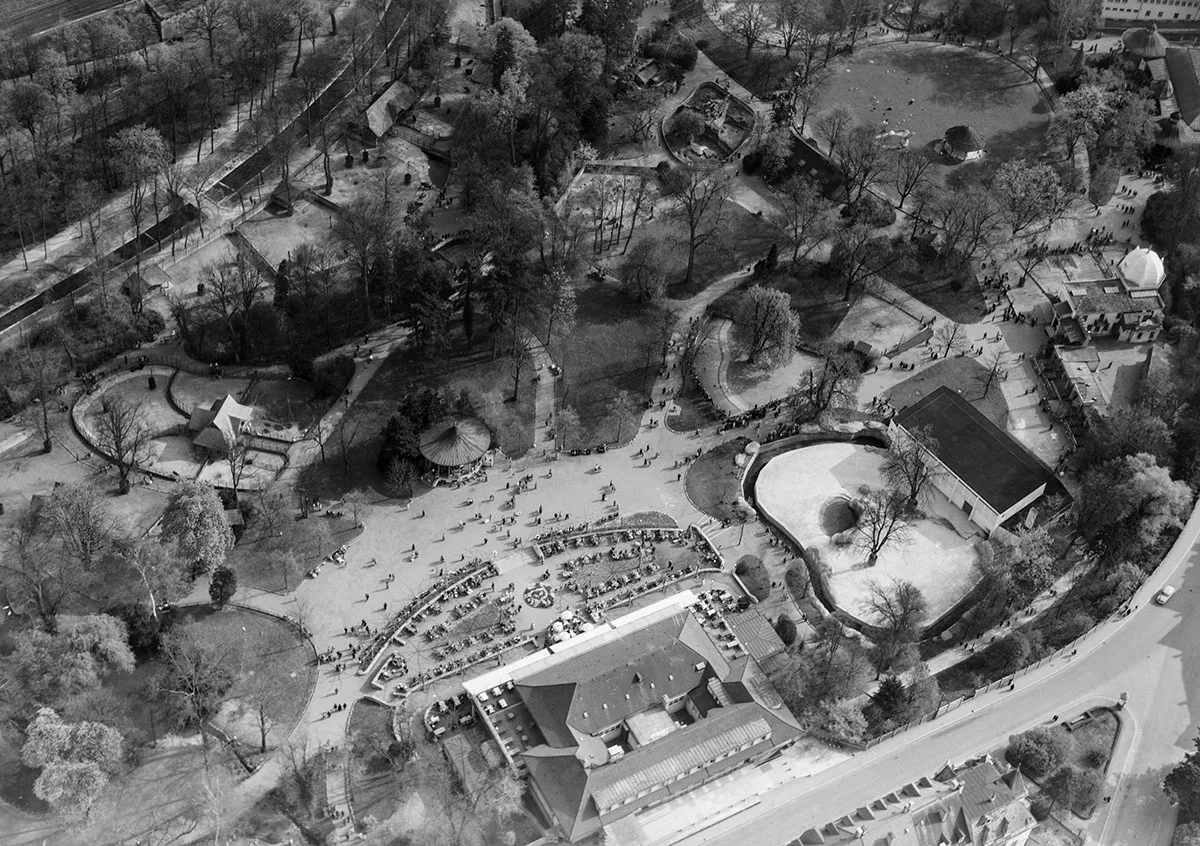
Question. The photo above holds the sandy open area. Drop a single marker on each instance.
(795, 486)
(879, 323)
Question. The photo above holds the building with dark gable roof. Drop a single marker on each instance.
(975, 804)
(632, 714)
(979, 467)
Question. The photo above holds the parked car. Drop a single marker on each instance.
(1164, 594)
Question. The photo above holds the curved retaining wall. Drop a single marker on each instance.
(820, 584)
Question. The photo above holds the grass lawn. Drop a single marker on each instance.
(713, 480)
(816, 298)
(742, 237)
(256, 559)
(762, 73)
(1100, 734)
(615, 346)
(927, 89)
(265, 647)
(375, 787)
(287, 402)
(963, 374)
(923, 278)
(695, 411)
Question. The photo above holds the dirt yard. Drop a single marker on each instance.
(938, 559)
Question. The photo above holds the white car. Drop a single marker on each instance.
(1164, 594)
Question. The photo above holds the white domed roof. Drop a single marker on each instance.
(1142, 268)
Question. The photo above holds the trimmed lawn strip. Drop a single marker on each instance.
(375, 788)
(714, 482)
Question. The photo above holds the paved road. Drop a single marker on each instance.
(1145, 655)
(28, 16)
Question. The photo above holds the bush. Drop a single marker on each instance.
(301, 365)
(223, 586)
(871, 210)
(754, 576)
(1040, 807)
(1038, 751)
(330, 377)
(797, 580)
(145, 630)
(1187, 834)
(1095, 757)
(786, 629)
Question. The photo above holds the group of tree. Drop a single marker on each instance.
(896, 702)
(399, 456)
(70, 545)
(1068, 779)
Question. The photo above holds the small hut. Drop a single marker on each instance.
(963, 144)
(456, 447)
(223, 423)
(1174, 134)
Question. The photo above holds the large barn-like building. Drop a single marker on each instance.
(632, 714)
(979, 467)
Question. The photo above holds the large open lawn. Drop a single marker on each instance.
(615, 346)
(947, 86)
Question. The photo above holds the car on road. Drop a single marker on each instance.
(1164, 594)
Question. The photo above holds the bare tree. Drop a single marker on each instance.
(899, 609)
(237, 450)
(699, 197)
(642, 273)
(882, 520)
(993, 362)
(833, 126)
(861, 161)
(163, 576)
(909, 171)
(123, 436)
(910, 467)
(641, 110)
(800, 215)
(519, 354)
(36, 573)
(234, 289)
(831, 385)
(346, 430)
(567, 428)
(950, 337)
(624, 410)
(748, 19)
